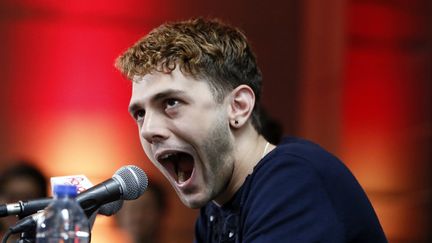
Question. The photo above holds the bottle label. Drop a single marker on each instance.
(80, 181)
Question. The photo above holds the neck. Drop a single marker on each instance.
(249, 149)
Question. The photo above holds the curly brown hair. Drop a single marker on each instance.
(201, 48)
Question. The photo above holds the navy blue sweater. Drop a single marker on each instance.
(296, 193)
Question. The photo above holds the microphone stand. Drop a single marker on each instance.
(27, 237)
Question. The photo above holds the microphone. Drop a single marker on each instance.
(25, 208)
(111, 208)
(128, 183)
(29, 222)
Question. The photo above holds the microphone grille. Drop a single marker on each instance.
(133, 180)
(111, 208)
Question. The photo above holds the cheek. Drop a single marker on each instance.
(141, 138)
(146, 147)
(199, 125)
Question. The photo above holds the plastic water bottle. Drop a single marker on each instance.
(63, 220)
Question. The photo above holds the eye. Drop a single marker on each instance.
(171, 103)
(138, 115)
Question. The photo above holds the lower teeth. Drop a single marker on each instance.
(181, 176)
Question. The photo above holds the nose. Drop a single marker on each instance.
(154, 129)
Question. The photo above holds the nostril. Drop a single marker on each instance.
(155, 135)
(151, 137)
(157, 139)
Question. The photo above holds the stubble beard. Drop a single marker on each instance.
(218, 147)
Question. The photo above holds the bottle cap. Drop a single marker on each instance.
(65, 190)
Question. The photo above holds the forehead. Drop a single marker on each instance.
(153, 84)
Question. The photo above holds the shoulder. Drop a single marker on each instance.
(293, 164)
(299, 170)
(297, 159)
(283, 193)
(294, 150)
(297, 183)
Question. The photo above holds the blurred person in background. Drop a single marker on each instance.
(20, 181)
(141, 219)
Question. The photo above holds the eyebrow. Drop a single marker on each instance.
(159, 96)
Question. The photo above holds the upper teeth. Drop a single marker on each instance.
(166, 156)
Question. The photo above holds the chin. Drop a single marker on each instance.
(193, 203)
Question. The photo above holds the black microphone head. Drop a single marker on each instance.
(133, 181)
(111, 208)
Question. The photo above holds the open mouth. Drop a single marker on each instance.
(180, 165)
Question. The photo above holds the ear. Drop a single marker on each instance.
(241, 105)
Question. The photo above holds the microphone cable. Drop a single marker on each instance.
(6, 236)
